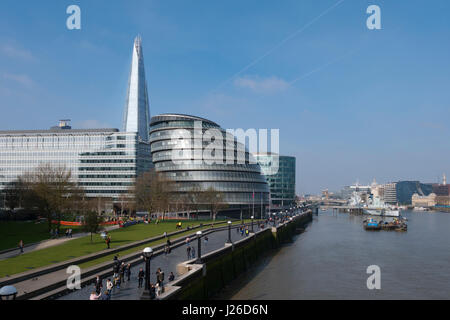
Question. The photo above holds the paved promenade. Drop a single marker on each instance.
(47, 243)
(129, 290)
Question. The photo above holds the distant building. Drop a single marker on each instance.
(377, 190)
(390, 193)
(406, 189)
(282, 182)
(442, 189)
(443, 201)
(423, 201)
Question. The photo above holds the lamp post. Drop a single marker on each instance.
(229, 232)
(199, 255)
(147, 254)
(252, 224)
(8, 293)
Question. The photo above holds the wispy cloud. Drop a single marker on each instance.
(15, 52)
(262, 85)
(21, 79)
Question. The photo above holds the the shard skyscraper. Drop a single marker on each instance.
(137, 109)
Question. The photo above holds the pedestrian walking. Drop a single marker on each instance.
(98, 285)
(160, 276)
(128, 271)
(70, 232)
(117, 281)
(108, 241)
(206, 240)
(188, 251)
(141, 275)
(109, 285)
(122, 272)
(67, 233)
(21, 246)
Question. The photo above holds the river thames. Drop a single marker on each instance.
(330, 260)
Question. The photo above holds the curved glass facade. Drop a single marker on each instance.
(238, 178)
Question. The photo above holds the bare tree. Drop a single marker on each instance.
(193, 199)
(52, 190)
(91, 219)
(214, 200)
(152, 192)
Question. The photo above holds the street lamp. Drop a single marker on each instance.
(8, 293)
(199, 256)
(229, 232)
(147, 254)
(252, 223)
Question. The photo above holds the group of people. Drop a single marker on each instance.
(121, 274)
(69, 233)
(243, 231)
(54, 233)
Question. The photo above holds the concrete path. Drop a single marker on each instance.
(130, 291)
(48, 243)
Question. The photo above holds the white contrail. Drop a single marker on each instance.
(322, 67)
(280, 43)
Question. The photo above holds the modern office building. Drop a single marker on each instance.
(192, 165)
(390, 193)
(105, 162)
(406, 189)
(280, 174)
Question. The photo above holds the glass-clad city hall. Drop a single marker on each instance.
(105, 162)
(238, 179)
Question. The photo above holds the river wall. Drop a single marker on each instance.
(220, 267)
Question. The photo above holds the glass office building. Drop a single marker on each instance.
(240, 180)
(280, 174)
(104, 162)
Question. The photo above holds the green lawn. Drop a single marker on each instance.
(83, 246)
(11, 232)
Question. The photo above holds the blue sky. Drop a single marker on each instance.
(366, 104)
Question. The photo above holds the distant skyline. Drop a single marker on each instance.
(351, 103)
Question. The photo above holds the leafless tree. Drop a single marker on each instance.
(52, 190)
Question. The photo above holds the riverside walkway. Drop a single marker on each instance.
(130, 291)
(47, 243)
